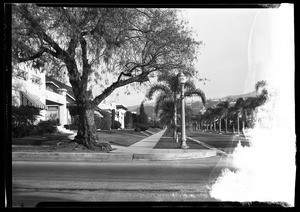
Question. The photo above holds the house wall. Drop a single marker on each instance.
(31, 81)
(121, 117)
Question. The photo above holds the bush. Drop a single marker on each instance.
(116, 125)
(48, 126)
(22, 130)
(24, 114)
(22, 121)
(128, 119)
(106, 121)
(143, 127)
(137, 129)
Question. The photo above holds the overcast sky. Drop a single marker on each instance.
(237, 41)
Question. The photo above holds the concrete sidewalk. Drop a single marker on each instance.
(142, 150)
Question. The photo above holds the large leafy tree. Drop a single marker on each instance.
(89, 44)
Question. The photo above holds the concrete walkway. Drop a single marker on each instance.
(142, 150)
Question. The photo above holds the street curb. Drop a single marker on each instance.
(175, 156)
(69, 156)
(98, 157)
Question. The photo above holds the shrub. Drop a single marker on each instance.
(48, 126)
(137, 129)
(128, 119)
(143, 127)
(22, 121)
(106, 121)
(22, 130)
(116, 125)
(24, 114)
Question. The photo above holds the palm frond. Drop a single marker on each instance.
(223, 104)
(240, 102)
(260, 84)
(196, 92)
(160, 100)
(158, 88)
(189, 85)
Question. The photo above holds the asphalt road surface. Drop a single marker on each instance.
(134, 181)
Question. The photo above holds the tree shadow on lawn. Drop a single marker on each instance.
(45, 139)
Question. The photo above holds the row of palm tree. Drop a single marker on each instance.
(167, 105)
(243, 110)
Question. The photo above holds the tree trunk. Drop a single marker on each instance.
(226, 124)
(214, 125)
(220, 125)
(87, 133)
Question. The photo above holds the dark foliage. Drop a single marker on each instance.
(128, 119)
(143, 127)
(116, 125)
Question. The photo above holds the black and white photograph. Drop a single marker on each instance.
(148, 105)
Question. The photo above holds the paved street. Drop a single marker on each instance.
(184, 180)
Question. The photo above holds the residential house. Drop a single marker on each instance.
(54, 98)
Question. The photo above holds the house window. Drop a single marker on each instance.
(36, 80)
(22, 74)
(52, 108)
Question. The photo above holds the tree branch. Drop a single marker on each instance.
(119, 83)
(35, 25)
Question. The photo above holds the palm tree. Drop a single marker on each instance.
(210, 117)
(224, 106)
(262, 92)
(239, 107)
(231, 116)
(169, 88)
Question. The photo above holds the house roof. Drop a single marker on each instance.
(121, 107)
(61, 85)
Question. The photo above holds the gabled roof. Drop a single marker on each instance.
(61, 85)
(121, 107)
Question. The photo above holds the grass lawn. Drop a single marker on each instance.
(38, 140)
(167, 142)
(219, 140)
(123, 137)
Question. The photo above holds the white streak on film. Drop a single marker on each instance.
(267, 169)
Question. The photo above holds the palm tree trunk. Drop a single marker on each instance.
(215, 125)
(238, 123)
